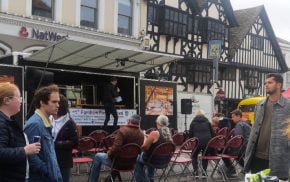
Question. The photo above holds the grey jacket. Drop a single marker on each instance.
(279, 154)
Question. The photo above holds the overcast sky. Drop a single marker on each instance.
(278, 12)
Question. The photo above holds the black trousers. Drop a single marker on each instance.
(65, 172)
(258, 164)
(110, 109)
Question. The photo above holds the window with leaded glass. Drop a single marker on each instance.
(227, 74)
(257, 42)
(216, 30)
(152, 14)
(199, 73)
(42, 8)
(89, 13)
(250, 78)
(125, 17)
(173, 22)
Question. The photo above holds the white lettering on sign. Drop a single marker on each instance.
(96, 117)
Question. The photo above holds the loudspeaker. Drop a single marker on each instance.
(186, 106)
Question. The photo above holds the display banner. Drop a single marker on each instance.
(96, 117)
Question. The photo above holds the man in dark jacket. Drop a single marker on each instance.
(200, 128)
(109, 95)
(131, 133)
(244, 129)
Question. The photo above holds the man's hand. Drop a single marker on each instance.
(118, 90)
(32, 149)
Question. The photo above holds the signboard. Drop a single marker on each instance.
(214, 49)
(96, 117)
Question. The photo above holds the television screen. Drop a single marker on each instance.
(158, 100)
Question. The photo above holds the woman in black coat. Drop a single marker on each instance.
(200, 128)
(65, 138)
(14, 147)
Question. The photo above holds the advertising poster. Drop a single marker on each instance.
(159, 100)
(156, 98)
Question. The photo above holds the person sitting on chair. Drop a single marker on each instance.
(154, 139)
(131, 133)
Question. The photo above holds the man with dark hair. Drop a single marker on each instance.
(131, 133)
(44, 166)
(241, 128)
(268, 147)
(110, 93)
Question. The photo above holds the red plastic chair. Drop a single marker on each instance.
(223, 131)
(108, 141)
(163, 151)
(98, 136)
(84, 145)
(148, 131)
(231, 133)
(232, 149)
(216, 143)
(189, 146)
(215, 129)
(178, 138)
(125, 160)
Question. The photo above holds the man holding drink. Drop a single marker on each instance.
(44, 166)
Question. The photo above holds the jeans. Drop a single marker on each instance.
(65, 172)
(140, 175)
(99, 160)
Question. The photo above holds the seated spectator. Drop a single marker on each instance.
(215, 122)
(244, 129)
(200, 128)
(65, 137)
(154, 139)
(131, 133)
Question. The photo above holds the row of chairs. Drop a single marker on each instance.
(188, 146)
(220, 143)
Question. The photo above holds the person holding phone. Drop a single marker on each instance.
(14, 146)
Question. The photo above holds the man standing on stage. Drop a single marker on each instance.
(111, 91)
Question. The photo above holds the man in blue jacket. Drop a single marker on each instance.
(44, 166)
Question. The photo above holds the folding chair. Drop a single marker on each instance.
(85, 144)
(215, 129)
(216, 143)
(125, 160)
(108, 142)
(189, 146)
(232, 149)
(178, 138)
(223, 131)
(148, 131)
(164, 153)
(231, 134)
(98, 136)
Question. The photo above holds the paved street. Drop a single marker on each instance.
(83, 177)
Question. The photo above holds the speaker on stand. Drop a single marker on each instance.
(186, 108)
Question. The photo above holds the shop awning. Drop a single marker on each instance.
(90, 54)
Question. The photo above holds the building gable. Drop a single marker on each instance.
(253, 43)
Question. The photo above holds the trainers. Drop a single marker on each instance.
(203, 175)
(195, 174)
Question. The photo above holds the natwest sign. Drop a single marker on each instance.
(40, 35)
